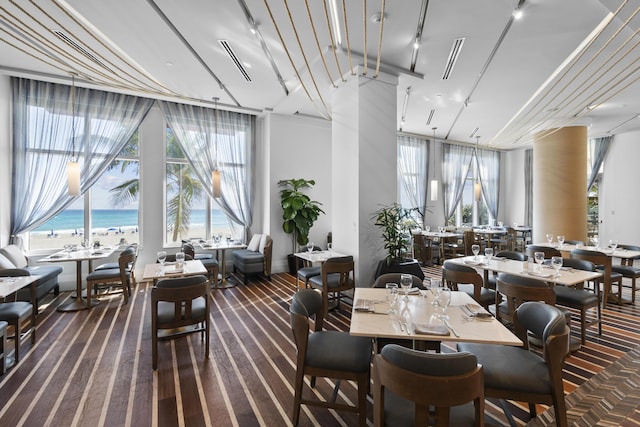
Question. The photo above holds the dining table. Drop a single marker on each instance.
(310, 257)
(567, 248)
(441, 236)
(377, 321)
(221, 248)
(78, 256)
(156, 271)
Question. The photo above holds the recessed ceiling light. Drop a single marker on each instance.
(169, 64)
(517, 14)
(377, 17)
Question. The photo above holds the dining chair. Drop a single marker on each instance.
(578, 298)
(110, 265)
(209, 262)
(512, 255)
(628, 270)
(327, 354)
(414, 388)
(385, 278)
(459, 277)
(120, 276)
(574, 242)
(515, 373)
(603, 264)
(3, 346)
(548, 251)
(337, 275)
(305, 273)
(177, 303)
(21, 316)
(516, 290)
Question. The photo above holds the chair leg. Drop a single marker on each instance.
(297, 396)
(363, 387)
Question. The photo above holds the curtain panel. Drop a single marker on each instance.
(43, 144)
(528, 186)
(456, 162)
(413, 170)
(597, 151)
(489, 173)
(213, 137)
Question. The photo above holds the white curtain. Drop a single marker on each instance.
(489, 174)
(213, 137)
(528, 187)
(43, 144)
(413, 160)
(455, 168)
(597, 151)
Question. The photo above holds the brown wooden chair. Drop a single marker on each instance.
(21, 316)
(467, 279)
(3, 346)
(385, 278)
(548, 251)
(408, 383)
(209, 262)
(515, 373)
(628, 270)
(603, 264)
(175, 304)
(516, 290)
(328, 354)
(110, 277)
(337, 276)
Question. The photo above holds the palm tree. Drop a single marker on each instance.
(181, 184)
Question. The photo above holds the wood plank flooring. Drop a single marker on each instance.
(94, 367)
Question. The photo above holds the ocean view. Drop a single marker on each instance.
(114, 219)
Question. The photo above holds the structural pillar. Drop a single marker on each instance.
(364, 172)
(560, 183)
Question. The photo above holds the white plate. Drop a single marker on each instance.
(541, 274)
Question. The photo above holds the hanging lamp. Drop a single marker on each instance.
(434, 181)
(477, 188)
(215, 174)
(73, 167)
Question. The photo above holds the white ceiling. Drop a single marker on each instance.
(169, 49)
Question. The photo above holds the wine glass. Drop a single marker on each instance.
(392, 297)
(596, 241)
(556, 263)
(442, 300)
(549, 238)
(405, 283)
(539, 257)
(179, 260)
(560, 240)
(330, 247)
(613, 243)
(488, 253)
(309, 247)
(162, 257)
(427, 228)
(476, 250)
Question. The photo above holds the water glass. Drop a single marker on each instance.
(162, 257)
(179, 260)
(539, 257)
(488, 253)
(613, 244)
(560, 240)
(556, 263)
(392, 297)
(476, 250)
(310, 247)
(442, 301)
(596, 241)
(405, 283)
(427, 228)
(330, 247)
(549, 238)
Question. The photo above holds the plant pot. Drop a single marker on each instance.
(411, 266)
(294, 264)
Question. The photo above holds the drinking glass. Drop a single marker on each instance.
(613, 244)
(179, 259)
(162, 257)
(405, 283)
(310, 247)
(330, 247)
(476, 250)
(556, 263)
(488, 253)
(596, 241)
(442, 300)
(549, 238)
(539, 257)
(500, 224)
(560, 240)
(427, 228)
(392, 297)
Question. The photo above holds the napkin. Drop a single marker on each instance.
(427, 329)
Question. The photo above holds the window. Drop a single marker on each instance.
(112, 201)
(469, 212)
(190, 213)
(412, 172)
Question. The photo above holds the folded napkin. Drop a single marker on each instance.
(427, 329)
(473, 310)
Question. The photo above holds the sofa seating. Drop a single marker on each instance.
(13, 262)
(255, 259)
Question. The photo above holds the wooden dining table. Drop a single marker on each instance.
(155, 271)
(380, 324)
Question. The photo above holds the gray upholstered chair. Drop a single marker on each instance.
(408, 383)
(515, 373)
(3, 346)
(329, 354)
(603, 265)
(512, 255)
(176, 303)
(628, 270)
(549, 251)
(120, 276)
(254, 260)
(21, 315)
(337, 276)
(209, 262)
(383, 279)
(464, 278)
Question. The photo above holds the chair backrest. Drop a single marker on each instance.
(469, 239)
(454, 273)
(629, 261)
(183, 293)
(266, 252)
(513, 255)
(383, 279)
(574, 242)
(427, 379)
(305, 304)
(548, 251)
(188, 250)
(420, 249)
(578, 264)
(344, 267)
(127, 262)
(598, 258)
(518, 290)
(548, 323)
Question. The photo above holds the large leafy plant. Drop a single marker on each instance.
(396, 224)
(299, 212)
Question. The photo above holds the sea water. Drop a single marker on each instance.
(119, 220)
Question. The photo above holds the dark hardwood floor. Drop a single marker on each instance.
(93, 368)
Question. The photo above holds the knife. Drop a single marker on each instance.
(446, 322)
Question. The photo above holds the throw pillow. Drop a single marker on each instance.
(5, 263)
(254, 243)
(263, 243)
(15, 255)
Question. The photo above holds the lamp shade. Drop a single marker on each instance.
(215, 179)
(477, 191)
(434, 190)
(73, 178)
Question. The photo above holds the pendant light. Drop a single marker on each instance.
(215, 174)
(477, 188)
(434, 181)
(73, 167)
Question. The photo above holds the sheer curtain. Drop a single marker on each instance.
(42, 144)
(489, 171)
(455, 168)
(211, 137)
(596, 152)
(413, 161)
(528, 186)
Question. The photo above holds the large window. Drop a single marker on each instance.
(468, 211)
(190, 212)
(112, 202)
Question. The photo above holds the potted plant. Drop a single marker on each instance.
(299, 213)
(396, 224)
